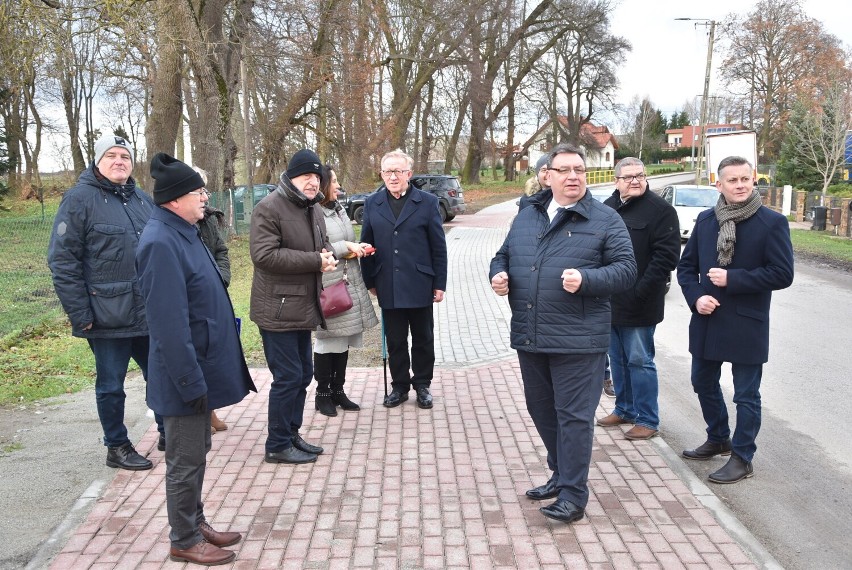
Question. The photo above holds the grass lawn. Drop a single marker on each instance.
(823, 245)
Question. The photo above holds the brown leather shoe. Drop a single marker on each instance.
(613, 420)
(640, 432)
(216, 423)
(203, 553)
(217, 538)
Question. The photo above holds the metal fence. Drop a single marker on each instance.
(26, 289)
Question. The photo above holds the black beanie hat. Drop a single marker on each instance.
(173, 178)
(303, 162)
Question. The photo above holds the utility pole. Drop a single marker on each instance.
(703, 124)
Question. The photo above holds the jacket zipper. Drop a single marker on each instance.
(281, 306)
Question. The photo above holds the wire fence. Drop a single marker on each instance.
(27, 297)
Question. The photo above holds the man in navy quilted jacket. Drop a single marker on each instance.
(563, 257)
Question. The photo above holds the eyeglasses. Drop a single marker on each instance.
(202, 192)
(639, 177)
(567, 169)
(397, 173)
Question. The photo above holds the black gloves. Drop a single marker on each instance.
(199, 405)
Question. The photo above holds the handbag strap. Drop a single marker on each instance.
(346, 271)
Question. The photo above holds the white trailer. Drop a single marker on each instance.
(734, 143)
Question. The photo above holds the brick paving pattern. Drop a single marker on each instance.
(411, 488)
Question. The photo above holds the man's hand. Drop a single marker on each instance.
(437, 295)
(718, 276)
(500, 283)
(198, 405)
(87, 327)
(571, 280)
(706, 304)
(328, 260)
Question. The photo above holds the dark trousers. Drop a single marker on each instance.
(420, 322)
(112, 357)
(187, 444)
(288, 355)
(562, 393)
(705, 383)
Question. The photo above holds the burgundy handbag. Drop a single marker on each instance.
(335, 299)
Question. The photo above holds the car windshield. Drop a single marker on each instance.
(696, 197)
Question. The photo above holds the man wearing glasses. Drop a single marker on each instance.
(655, 235)
(564, 256)
(408, 273)
(196, 360)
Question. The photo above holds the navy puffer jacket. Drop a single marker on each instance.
(589, 237)
(92, 256)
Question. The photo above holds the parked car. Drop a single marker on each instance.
(237, 197)
(689, 200)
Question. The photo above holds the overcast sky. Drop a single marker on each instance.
(669, 57)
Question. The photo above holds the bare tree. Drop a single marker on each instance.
(770, 55)
(818, 131)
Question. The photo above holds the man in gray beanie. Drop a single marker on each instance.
(196, 360)
(91, 252)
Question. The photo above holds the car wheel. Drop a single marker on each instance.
(444, 216)
(450, 217)
(358, 214)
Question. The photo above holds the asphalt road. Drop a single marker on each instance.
(799, 503)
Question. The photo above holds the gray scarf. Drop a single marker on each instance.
(729, 215)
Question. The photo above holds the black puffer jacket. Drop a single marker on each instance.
(92, 256)
(655, 234)
(589, 237)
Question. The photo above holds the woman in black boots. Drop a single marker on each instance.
(331, 349)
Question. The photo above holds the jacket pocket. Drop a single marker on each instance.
(112, 304)
(202, 332)
(288, 297)
(106, 241)
(752, 313)
(427, 269)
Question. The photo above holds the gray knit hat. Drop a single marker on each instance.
(107, 142)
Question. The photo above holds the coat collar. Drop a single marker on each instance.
(188, 231)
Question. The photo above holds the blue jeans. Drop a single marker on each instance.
(562, 393)
(290, 359)
(634, 375)
(705, 382)
(112, 356)
(187, 444)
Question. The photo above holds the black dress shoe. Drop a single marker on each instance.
(395, 398)
(736, 469)
(161, 443)
(708, 449)
(424, 398)
(126, 457)
(290, 455)
(563, 510)
(546, 491)
(300, 443)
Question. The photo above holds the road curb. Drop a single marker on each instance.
(712, 503)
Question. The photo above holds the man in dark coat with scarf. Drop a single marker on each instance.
(739, 252)
(563, 257)
(196, 362)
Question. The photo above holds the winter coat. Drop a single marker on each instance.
(92, 255)
(211, 235)
(195, 346)
(410, 262)
(286, 237)
(738, 329)
(655, 235)
(361, 316)
(589, 237)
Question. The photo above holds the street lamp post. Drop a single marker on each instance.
(703, 124)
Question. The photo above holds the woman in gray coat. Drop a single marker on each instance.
(331, 349)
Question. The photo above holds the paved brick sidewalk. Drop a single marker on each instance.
(410, 488)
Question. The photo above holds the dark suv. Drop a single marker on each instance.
(447, 189)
